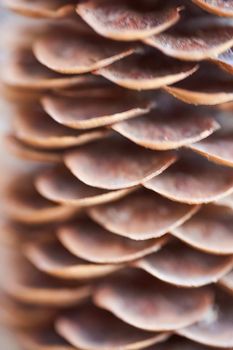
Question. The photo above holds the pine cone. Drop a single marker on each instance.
(119, 230)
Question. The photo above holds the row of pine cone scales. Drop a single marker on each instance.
(119, 228)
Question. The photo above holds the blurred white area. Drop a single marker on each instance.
(7, 341)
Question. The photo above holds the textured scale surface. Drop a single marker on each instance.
(117, 227)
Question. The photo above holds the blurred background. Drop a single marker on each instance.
(7, 342)
(7, 164)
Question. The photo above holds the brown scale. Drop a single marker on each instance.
(41, 8)
(195, 39)
(117, 230)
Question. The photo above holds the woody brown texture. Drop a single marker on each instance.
(119, 226)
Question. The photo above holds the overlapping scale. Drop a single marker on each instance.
(34, 127)
(182, 266)
(142, 215)
(41, 8)
(125, 21)
(59, 185)
(26, 152)
(218, 7)
(70, 54)
(209, 230)
(123, 223)
(209, 41)
(141, 301)
(204, 89)
(93, 243)
(24, 71)
(193, 181)
(217, 148)
(33, 287)
(83, 330)
(216, 328)
(147, 71)
(164, 131)
(91, 112)
(23, 203)
(52, 258)
(115, 164)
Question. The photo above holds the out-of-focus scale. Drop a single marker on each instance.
(118, 231)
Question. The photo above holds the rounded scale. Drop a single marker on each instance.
(210, 230)
(70, 53)
(59, 185)
(199, 98)
(35, 128)
(90, 328)
(95, 111)
(147, 71)
(142, 215)
(52, 258)
(193, 180)
(24, 71)
(202, 42)
(115, 163)
(216, 328)
(23, 151)
(41, 8)
(89, 241)
(218, 7)
(159, 131)
(146, 303)
(183, 266)
(209, 86)
(23, 203)
(30, 286)
(124, 20)
(216, 148)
